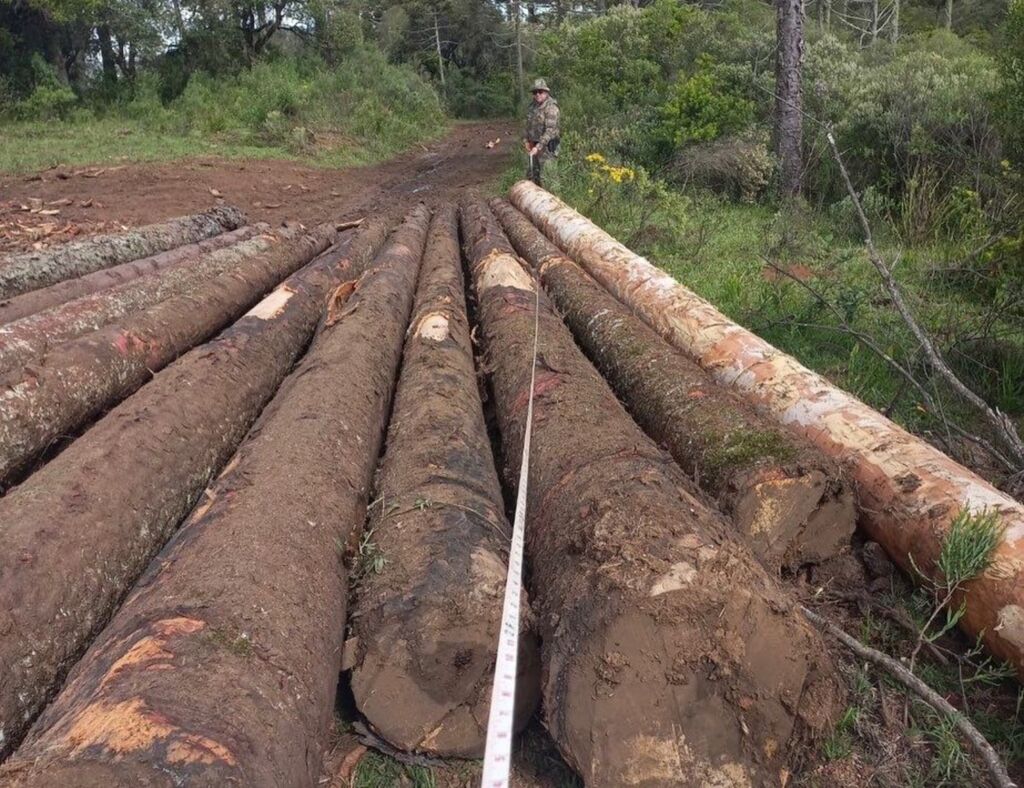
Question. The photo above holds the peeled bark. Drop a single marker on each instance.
(27, 340)
(54, 295)
(427, 625)
(221, 667)
(669, 655)
(79, 379)
(33, 270)
(788, 501)
(908, 492)
(81, 530)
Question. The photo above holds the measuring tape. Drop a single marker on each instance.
(498, 750)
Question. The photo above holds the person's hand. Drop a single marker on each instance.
(535, 150)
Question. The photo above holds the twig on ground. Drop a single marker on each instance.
(372, 740)
(994, 765)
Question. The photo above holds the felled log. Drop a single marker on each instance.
(33, 270)
(426, 626)
(26, 340)
(908, 492)
(669, 655)
(81, 530)
(789, 502)
(37, 300)
(79, 379)
(221, 667)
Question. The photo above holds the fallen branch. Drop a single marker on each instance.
(997, 772)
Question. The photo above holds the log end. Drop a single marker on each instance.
(720, 700)
(433, 696)
(795, 519)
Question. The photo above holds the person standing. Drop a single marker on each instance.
(542, 134)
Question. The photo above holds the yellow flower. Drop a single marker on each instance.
(595, 158)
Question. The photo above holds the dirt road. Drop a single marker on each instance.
(103, 197)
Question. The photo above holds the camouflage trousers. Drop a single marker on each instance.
(543, 170)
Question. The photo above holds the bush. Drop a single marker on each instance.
(50, 99)
(738, 166)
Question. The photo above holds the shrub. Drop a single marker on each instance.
(50, 99)
(738, 166)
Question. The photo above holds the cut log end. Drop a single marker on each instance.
(795, 520)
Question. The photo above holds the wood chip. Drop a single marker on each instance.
(215, 193)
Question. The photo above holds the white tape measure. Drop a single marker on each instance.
(498, 751)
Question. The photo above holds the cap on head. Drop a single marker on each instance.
(539, 85)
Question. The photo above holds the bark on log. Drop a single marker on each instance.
(29, 338)
(669, 655)
(908, 492)
(221, 666)
(33, 270)
(789, 502)
(79, 379)
(68, 290)
(426, 627)
(79, 532)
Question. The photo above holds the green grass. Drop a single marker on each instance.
(363, 110)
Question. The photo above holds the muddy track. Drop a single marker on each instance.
(267, 190)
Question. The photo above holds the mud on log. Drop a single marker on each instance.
(426, 627)
(70, 289)
(670, 657)
(26, 340)
(33, 270)
(82, 528)
(788, 501)
(908, 492)
(221, 666)
(78, 379)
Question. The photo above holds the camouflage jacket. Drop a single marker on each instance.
(542, 122)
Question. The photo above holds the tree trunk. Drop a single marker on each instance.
(789, 55)
(874, 21)
(949, 14)
(787, 500)
(517, 27)
(125, 485)
(894, 33)
(636, 584)
(33, 270)
(440, 57)
(79, 379)
(48, 297)
(107, 57)
(908, 491)
(28, 339)
(431, 618)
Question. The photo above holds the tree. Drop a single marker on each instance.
(789, 56)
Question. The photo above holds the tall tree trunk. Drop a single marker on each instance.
(828, 14)
(874, 21)
(789, 55)
(107, 56)
(894, 33)
(949, 14)
(440, 57)
(516, 24)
